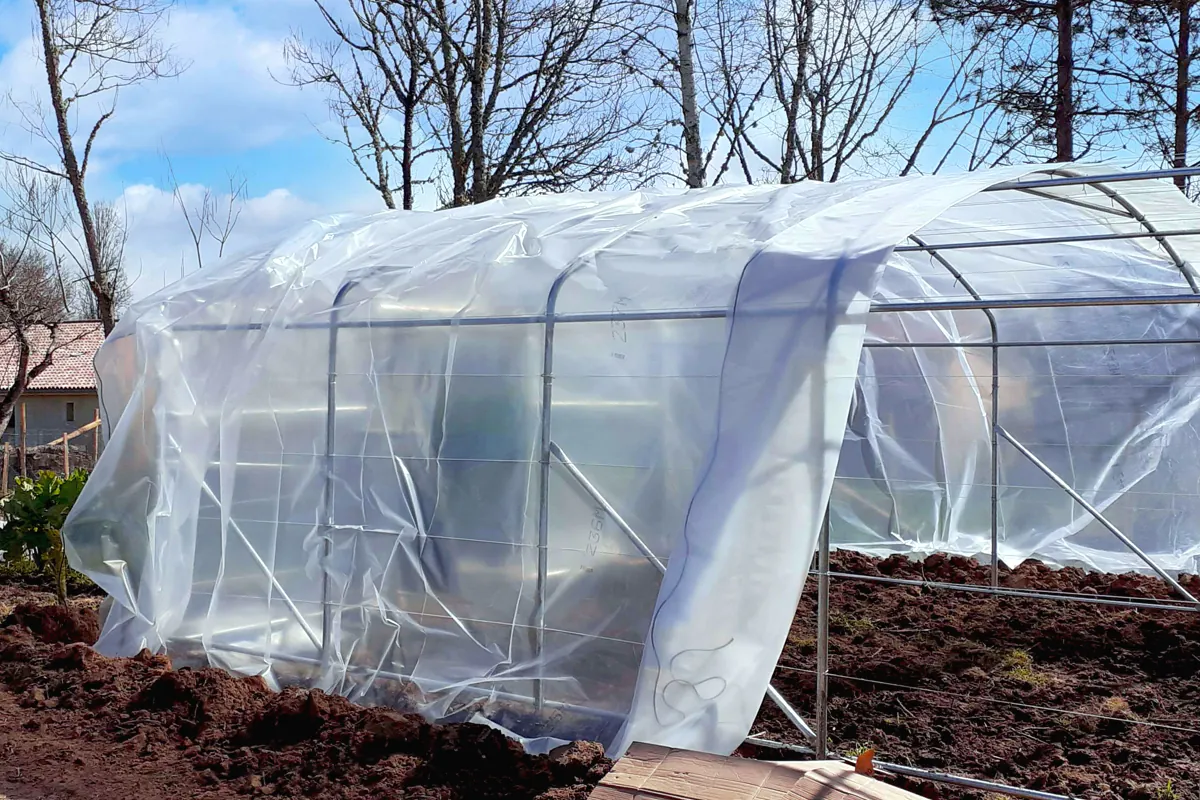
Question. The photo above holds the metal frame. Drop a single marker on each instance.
(550, 451)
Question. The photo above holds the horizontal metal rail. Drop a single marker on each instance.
(1025, 594)
(1084, 180)
(721, 313)
(1034, 343)
(1073, 239)
(969, 783)
(1037, 302)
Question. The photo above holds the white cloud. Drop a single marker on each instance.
(229, 99)
(160, 249)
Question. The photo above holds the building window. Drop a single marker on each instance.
(70, 412)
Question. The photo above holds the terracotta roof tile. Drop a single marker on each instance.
(76, 346)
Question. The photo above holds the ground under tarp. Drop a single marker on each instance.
(74, 724)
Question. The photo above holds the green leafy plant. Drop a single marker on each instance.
(858, 749)
(1166, 792)
(33, 518)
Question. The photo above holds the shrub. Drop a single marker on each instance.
(34, 515)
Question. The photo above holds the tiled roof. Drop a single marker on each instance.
(75, 347)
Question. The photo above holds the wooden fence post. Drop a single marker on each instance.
(96, 439)
(24, 439)
(4, 474)
(66, 455)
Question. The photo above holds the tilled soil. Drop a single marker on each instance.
(1082, 699)
(75, 724)
(1068, 697)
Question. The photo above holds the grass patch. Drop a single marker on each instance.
(802, 643)
(1019, 666)
(851, 625)
(1116, 707)
(857, 750)
(1166, 792)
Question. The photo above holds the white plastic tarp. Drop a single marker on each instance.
(405, 549)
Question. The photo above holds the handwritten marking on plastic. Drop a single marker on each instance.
(596, 530)
(617, 327)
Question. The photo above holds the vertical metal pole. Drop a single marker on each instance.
(539, 643)
(326, 513)
(995, 457)
(822, 743)
(995, 526)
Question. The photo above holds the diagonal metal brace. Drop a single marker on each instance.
(1095, 512)
(778, 699)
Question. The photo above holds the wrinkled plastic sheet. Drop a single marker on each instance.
(326, 462)
(1116, 421)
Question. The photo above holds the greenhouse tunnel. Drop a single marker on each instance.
(560, 464)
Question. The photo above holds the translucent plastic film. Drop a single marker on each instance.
(558, 464)
(1089, 390)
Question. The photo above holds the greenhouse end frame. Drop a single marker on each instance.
(551, 451)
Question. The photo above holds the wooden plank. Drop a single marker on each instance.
(24, 439)
(66, 456)
(91, 426)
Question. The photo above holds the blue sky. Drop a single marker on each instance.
(228, 111)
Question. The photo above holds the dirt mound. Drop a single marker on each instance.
(54, 624)
(1059, 695)
(212, 733)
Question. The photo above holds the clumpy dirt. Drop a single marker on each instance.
(55, 624)
(1083, 699)
(76, 724)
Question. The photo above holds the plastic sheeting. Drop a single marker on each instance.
(1116, 421)
(442, 460)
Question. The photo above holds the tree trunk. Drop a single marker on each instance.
(12, 396)
(1183, 74)
(98, 280)
(406, 147)
(692, 151)
(479, 70)
(1064, 101)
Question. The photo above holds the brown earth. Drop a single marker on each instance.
(1083, 699)
(75, 724)
(1067, 697)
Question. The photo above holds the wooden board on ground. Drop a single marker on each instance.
(650, 772)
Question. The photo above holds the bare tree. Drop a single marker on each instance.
(41, 207)
(111, 233)
(835, 72)
(1150, 50)
(1053, 83)
(693, 57)
(91, 50)
(29, 300)
(372, 74)
(511, 96)
(212, 216)
(33, 302)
